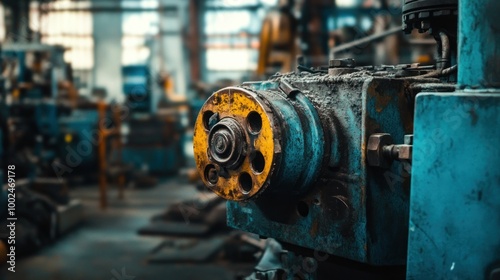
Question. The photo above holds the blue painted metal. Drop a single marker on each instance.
(81, 125)
(479, 42)
(455, 195)
(301, 138)
(136, 86)
(46, 115)
(157, 160)
(349, 210)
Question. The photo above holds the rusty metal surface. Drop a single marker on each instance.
(343, 206)
(455, 198)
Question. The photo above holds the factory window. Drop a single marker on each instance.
(2, 23)
(138, 28)
(231, 30)
(57, 23)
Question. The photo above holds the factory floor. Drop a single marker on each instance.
(107, 246)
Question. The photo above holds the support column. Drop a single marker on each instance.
(107, 32)
(173, 50)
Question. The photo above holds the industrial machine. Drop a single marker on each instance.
(29, 142)
(153, 139)
(370, 171)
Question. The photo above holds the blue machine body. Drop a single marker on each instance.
(455, 193)
(137, 88)
(350, 206)
(157, 160)
(479, 43)
(46, 118)
(79, 132)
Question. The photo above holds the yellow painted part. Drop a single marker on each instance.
(3, 252)
(236, 103)
(16, 93)
(68, 138)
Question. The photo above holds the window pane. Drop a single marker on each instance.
(231, 59)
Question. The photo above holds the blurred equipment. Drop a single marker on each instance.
(154, 130)
(30, 140)
(278, 47)
(35, 103)
(322, 159)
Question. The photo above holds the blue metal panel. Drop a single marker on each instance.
(46, 119)
(135, 79)
(82, 126)
(479, 41)
(455, 193)
(158, 160)
(136, 86)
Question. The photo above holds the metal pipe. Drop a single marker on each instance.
(445, 50)
(366, 40)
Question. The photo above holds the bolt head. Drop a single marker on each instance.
(374, 152)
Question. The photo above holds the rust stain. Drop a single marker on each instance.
(314, 228)
(473, 117)
(381, 99)
(363, 195)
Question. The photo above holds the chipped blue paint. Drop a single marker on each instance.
(479, 42)
(455, 194)
(353, 210)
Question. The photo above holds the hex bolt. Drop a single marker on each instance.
(376, 155)
(381, 152)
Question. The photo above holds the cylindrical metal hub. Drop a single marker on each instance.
(247, 141)
(227, 143)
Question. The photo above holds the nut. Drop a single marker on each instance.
(375, 146)
(405, 152)
(409, 139)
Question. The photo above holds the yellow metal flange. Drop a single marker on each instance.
(234, 144)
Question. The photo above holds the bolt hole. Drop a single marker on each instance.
(258, 162)
(316, 201)
(245, 182)
(211, 174)
(302, 209)
(254, 122)
(206, 119)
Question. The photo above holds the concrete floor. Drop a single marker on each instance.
(107, 246)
